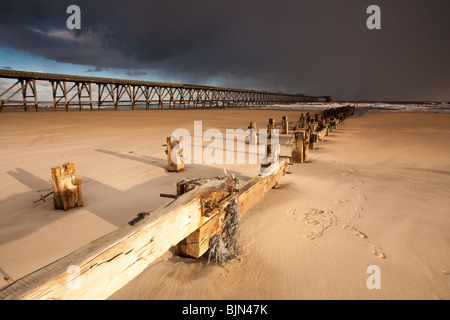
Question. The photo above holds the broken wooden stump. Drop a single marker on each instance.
(174, 153)
(312, 136)
(297, 147)
(321, 132)
(270, 127)
(285, 125)
(306, 139)
(302, 121)
(66, 187)
(270, 162)
(313, 141)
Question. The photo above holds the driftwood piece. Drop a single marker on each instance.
(66, 187)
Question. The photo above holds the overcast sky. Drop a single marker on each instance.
(314, 47)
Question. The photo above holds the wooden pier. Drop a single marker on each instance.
(69, 91)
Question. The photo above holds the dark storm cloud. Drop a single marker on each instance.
(313, 47)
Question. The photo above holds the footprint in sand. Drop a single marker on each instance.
(357, 213)
(291, 212)
(340, 201)
(376, 250)
(321, 218)
(355, 231)
(362, 197)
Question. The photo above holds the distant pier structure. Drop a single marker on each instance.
(326, 98)
(69, 91)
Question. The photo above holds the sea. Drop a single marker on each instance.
(360, 107)
(367, 107)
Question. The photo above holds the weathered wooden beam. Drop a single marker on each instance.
(197, 243)
(110, 262)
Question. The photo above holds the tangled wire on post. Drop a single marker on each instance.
(223, 246)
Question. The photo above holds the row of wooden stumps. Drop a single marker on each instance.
(309, 131)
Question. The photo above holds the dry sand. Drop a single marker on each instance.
(375, 192)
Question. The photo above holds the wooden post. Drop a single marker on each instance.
(302, 121)
(270, 163)
(270, 127)
(253, 137)
(174, 155)
(312, 137)
(313, 141)
(285, 126)
(305, 145)
(66, 187)
(297, 148)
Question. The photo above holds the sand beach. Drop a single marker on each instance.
(374, 192)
